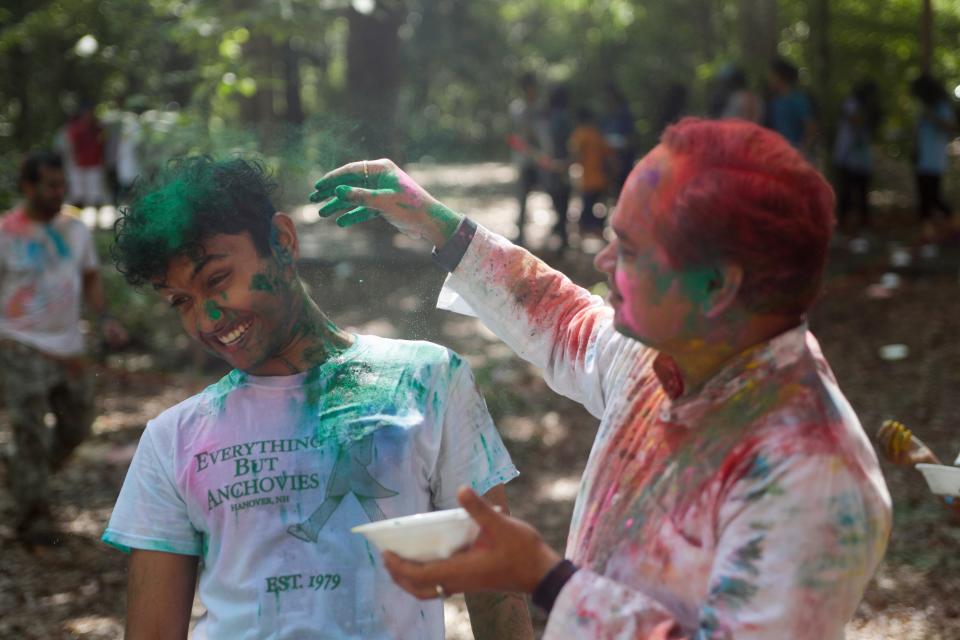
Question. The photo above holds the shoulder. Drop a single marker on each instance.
(813, 423)
(15, 222)
(73, 227)
(407, 354)
(182, 417)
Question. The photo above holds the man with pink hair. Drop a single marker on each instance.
(731, 491)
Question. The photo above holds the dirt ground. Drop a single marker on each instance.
(76, 590)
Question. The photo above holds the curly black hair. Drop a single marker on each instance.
(190, 200)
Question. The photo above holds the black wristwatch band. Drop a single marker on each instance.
(453, 250)
(552, 584)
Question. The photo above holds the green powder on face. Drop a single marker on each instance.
(213, 311)
(261, 282)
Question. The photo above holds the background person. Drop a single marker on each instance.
(853, 153)
(936, 126)
(597, 161)
(48, 267)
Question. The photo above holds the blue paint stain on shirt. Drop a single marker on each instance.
(63, 249)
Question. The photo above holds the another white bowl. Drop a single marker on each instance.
(425, 536)
(943, 480)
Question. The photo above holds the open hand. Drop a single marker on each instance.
(899, 446)
(363, 190)
(508, 555)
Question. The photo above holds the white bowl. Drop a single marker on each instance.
(943, 480)
(425, 536)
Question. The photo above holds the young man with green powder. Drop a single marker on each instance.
(256, 482)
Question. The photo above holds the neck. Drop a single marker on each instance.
(36, 215)
(702, 359)
(313, 339)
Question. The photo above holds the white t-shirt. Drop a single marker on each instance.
(41, 281)
(263, 477)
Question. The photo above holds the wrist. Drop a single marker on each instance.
(548, 589)
(445, 223)
(448, 255)
(545, 561)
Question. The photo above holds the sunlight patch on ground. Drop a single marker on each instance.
(562, 489)
(902, 624)
(94, 627)
(89, 523)
(554, 429)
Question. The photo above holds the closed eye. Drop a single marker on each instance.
(217, 278)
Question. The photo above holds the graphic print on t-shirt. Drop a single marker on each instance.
(349, 475)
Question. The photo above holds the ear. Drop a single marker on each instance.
(283, 236)
(723, 285)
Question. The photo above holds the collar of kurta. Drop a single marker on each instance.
(745, 369)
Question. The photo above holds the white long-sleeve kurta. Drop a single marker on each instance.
(752, 509)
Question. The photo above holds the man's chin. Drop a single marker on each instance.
(632, 333)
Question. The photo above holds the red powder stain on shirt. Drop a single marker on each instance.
(544, 295)
(16, 223)
(18, 303)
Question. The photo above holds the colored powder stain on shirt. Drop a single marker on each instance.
(733, 592)
(216, 394)
(486, 451)
(63, 250)
(337, 406)
(760, 468)
(748, 555)
(35, 253)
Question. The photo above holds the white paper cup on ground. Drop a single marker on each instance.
(890, 280)
(423, 537)
(900, 258)
(943, 480)
(894, 352)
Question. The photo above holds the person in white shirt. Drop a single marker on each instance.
(731, 491)
(255, 483)
(48, 268)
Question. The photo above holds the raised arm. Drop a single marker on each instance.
(160, 595)
(536, 310)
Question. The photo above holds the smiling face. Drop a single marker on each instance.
(653, 302)
(237, 304)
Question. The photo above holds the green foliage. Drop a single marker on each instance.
(278, 76)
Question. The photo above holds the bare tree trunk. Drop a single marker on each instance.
(373, 75)
(706, 12)
(926, 36)
(20, 68)
(759, 34)
(258, 108)
(825, 107)
(820, 35)
(291, 83)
